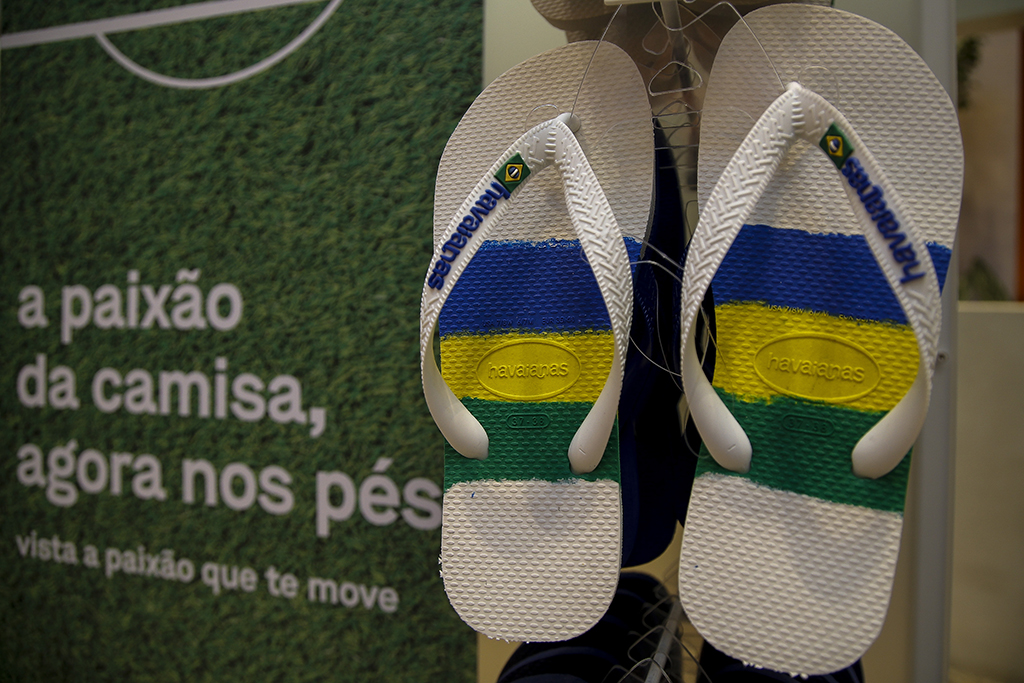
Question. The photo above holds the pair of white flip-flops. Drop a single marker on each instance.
(828, 210)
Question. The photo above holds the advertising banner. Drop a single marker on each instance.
(216, 217)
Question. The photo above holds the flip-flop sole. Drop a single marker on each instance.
(790, 565)
(529, 550)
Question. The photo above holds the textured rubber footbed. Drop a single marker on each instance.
(816, 264)
(778, 284)
(816, 458)
(514, 298)
(790, 566)
(526, 345)
(529, 560)
(781, 602)
(753, 327)
(800, 495)
(523, 451)
(516, 284)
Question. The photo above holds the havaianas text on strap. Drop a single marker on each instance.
(514, 172)
(872, 198)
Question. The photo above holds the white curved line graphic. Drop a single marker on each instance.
(217, 81)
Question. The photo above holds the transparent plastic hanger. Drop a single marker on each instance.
(673, 49)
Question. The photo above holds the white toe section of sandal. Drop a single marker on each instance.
(889, 231)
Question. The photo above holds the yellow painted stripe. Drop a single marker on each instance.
(562, 367)
(746, 329)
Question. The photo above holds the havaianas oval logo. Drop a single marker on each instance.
(528, 369)
(817, 366)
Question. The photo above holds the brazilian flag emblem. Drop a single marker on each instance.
(513, 172)
(836, 146)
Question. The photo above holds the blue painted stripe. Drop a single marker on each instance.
(531, 286)
(835, 274)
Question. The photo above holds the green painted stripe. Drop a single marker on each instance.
(805, 447)
(528, 441)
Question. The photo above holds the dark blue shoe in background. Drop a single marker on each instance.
(716, 667)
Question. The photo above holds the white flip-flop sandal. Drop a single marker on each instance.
(531, 291)
(826, 228)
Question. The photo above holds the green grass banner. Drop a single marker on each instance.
(215, 459)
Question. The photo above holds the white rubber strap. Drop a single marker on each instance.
(549, 143)
(802, 113)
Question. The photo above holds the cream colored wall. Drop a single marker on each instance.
(514, 32)
(988, 547)
(991, 132)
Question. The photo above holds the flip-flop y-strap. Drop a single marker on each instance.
(552, 142)
(888, 229)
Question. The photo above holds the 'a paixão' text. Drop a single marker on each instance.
(182, 306)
